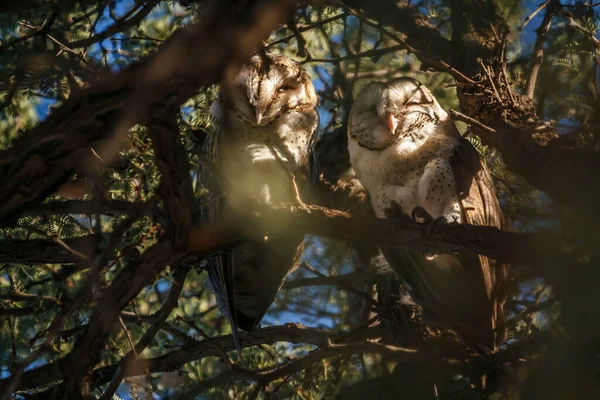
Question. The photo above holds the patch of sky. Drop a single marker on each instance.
(163, 285)
(37, 363)
(325, 310)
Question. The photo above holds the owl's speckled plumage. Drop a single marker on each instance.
(405, 149)
(268, 123)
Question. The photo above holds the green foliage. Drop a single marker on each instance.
(567, 95)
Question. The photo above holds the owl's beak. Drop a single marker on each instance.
(392, 122)
(259, 115)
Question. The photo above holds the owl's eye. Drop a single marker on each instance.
(285, 88)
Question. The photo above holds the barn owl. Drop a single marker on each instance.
(406, 151)
(263, 151)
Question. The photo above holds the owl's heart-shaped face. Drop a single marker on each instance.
(386, 113)
(261, 94)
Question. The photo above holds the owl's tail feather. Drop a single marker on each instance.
(220, 276)
(260, 270)
(246, 279)
(452, 292)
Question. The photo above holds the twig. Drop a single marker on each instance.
(374, 53)
(472, 121)
(63, 47)
(307, 28)
(328, 280)
(582, 5)
(207, 338)
(576, 25)
(489, 76)
(125, 39)
(59, 241)
(438, 63)
(128, 334)
(532, 15)
(120, 25)
(160, 318)
(343, 282)
(302, 51)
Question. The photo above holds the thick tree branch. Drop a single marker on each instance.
(175, 181)
(521, 248)
(525, 248)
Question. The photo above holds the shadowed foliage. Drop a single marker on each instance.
(104, 113)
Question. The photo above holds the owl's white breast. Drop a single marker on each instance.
(289, 136)
(398, 168)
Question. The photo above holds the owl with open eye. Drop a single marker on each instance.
(407, 152)
(262, 151)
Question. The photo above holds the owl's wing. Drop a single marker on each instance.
(479, 206)
(313, 161)
(463, 291)
(246, 278)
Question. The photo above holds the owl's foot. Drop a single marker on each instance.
(299, 203)
(395, 211)
(420, 215)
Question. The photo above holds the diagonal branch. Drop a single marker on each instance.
(162, 315)
(538, 50)
(129, 20)
(42, 251)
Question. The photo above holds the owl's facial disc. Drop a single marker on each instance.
(403, 104)
(279, 93)
(260, 97)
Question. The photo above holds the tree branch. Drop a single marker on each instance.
(112, 208)
(535, 249)
(45, 251)
(538, 50)
(334, 280)
(161, 316)
(122, 24)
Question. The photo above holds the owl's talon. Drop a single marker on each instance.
(436, 224)
(420, 215)
(395, 211)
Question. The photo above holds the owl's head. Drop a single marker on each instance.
(385, 113)
(262, 93)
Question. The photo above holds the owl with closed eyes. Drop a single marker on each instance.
(406, 151)
(262, 151)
